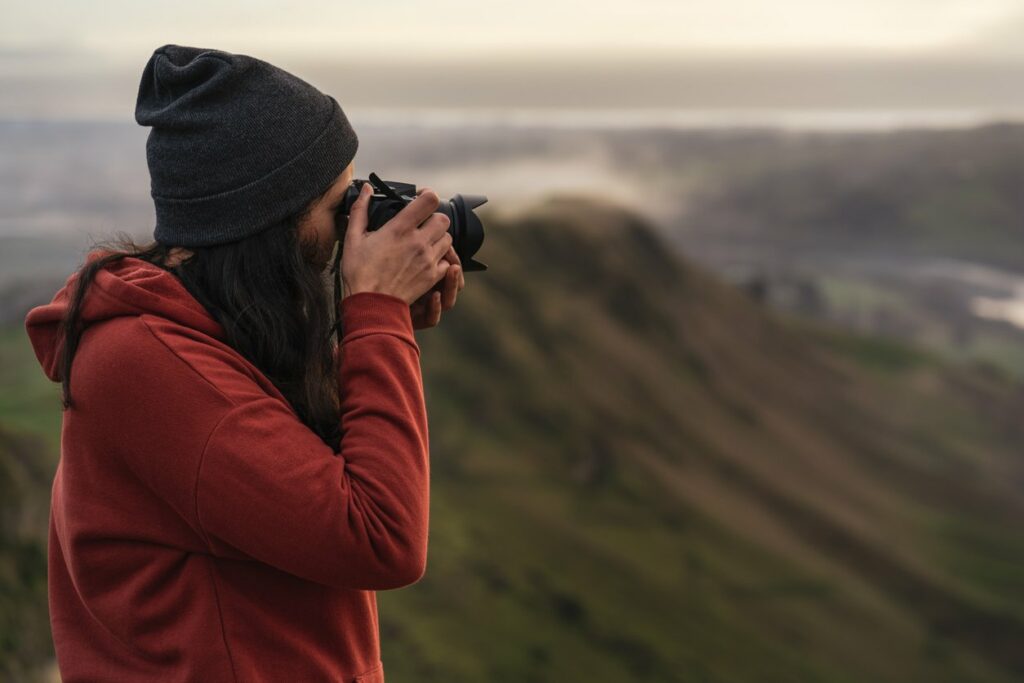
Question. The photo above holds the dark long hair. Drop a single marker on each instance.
(270, 297)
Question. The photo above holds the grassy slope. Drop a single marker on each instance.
(24, 504)
(29, 444)
(640, 475)
(28, 401)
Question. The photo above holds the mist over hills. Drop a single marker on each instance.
(640, 473)
(913, 234)
(913, 193)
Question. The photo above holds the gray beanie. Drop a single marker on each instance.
(236, 144)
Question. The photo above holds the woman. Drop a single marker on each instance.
(234, 484)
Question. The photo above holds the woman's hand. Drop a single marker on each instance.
(426, 310)
(406, 256)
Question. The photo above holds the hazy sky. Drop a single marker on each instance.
(83, 59)
(124, 28)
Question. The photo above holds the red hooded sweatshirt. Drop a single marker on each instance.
(199, 531)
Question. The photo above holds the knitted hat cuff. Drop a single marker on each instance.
(255, 206)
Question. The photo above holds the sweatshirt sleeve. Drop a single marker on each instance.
(270, 489)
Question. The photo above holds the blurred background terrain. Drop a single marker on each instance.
(740, 396)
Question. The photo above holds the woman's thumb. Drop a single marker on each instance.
(357, 218)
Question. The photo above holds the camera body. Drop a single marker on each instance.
(390, 197)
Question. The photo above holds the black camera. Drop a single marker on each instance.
(389, 197)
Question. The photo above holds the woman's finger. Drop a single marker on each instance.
(417, 311)
(435, 308)
(454, 259)
(451, 287)
(357, 218)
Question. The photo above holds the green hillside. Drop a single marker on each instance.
(641, 475)
(24, 504)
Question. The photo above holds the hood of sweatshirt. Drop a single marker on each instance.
(127, 287)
